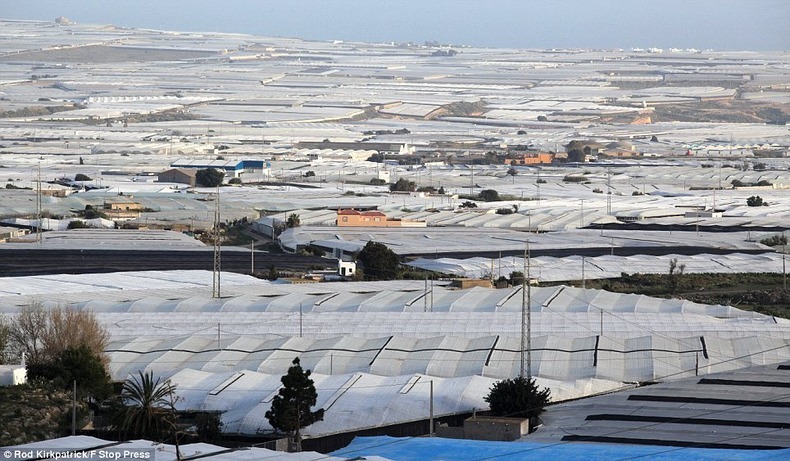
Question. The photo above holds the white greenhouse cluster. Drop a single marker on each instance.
(376, 344)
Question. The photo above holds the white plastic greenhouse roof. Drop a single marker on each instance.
(68, 447)
(614, 357)
(551, 269)
(434, 240)
(352, 402)
(190, 292)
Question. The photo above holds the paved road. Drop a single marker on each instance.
(41, 262)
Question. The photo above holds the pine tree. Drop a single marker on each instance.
(290, 410)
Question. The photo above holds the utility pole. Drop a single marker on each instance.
(215, 286)
(430, 411)
(529, 315)
(74, 410)
(526, 318)
(252, 257)
(39, 211)
(472, 182)
(425, 296)
(609, 191)
(583, 280)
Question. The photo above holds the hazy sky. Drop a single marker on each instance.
(701, 24)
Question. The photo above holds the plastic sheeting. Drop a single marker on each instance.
(412, 449)
(351, 402)
(611, 358)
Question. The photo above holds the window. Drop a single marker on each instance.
(345, 218)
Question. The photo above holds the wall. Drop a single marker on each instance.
(501, 429)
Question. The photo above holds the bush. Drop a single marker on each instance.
(574, 178)
(234, 181)
(505, 211)
(517, 397)
(754, 200)
(489, 195)
(82, 177)
(378, 261)
(77, 224)
(377, 182)
(209, 177)
(403, 185)
(775, 240)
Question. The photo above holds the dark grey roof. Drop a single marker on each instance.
(743, 409)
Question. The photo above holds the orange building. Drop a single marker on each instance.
(530, 159)
(354, 218)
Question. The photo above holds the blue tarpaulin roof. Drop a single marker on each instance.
(410, 448)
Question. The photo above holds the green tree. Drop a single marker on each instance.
(517, 397)
(79, 364)
(512, 171)
(576, 151)
(148, 411)
(754, 200)
(209, 177)
(516, 278)
(489, 195)
(293, 220)
(378, 261)
(290, 410)
(209, 426)
(403, 185)
(441, 190)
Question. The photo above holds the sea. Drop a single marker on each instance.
(726, 25)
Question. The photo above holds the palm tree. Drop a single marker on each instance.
(148, 411)
(293, 220)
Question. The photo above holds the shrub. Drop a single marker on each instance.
(489, 195)
(754, 200)
(517, 397)
(82, 177)
(209, 177)
(775, 240)
(403, 185)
